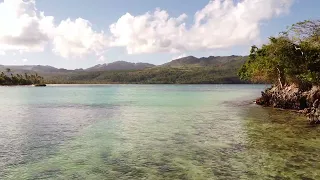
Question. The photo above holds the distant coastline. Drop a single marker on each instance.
(186, 70)
(9, 78)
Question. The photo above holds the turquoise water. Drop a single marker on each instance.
(151, 132)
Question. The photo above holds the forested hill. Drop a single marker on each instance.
(218, 61)
(120, 65)
(188, 70)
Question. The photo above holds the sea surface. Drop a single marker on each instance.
(151, 132)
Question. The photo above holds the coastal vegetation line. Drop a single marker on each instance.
(291, 62)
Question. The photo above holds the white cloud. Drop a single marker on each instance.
(22, 27)
(24, 60)
(101, 59)
(220, 24)
(2, 53)
(179, 56)
(77, 39)
(149, 33)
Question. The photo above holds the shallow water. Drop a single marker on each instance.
(151, 132)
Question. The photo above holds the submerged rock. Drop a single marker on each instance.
(293, 98)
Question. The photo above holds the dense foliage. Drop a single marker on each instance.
(186, 70)
(9, 78)
(291, 58)
(158, 75)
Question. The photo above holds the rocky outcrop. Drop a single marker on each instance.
(294, 98)
(314, 114)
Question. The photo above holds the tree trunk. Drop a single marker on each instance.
(280, 78)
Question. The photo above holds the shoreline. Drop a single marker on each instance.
(32, 85)
(101, 84)
(292, 98)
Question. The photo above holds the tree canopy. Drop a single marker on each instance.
(18, 79)
(158, 75)
(291, 58)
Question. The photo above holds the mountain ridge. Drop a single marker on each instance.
(204, 61)
(125, 65)
(187, 70)
(120, 65)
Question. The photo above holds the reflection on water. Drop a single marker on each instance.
(152, 132)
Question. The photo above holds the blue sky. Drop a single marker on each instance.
(53, 43)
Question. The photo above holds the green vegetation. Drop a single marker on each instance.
(291, 58)
(18, 79)
(188, 70)
(159, 75)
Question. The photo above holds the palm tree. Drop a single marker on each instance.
(19, 79)
(26, 76)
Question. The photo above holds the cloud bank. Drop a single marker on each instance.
(220, 24)
(22, 27)
(77, 39)
(25, 29)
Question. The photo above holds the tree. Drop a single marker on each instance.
(18, 79)
(293, 57)
(305, 30)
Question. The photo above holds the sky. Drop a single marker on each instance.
(82, 33)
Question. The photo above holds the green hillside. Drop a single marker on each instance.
(188, 70)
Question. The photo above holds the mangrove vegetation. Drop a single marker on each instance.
(291, 62)
(291, 58)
